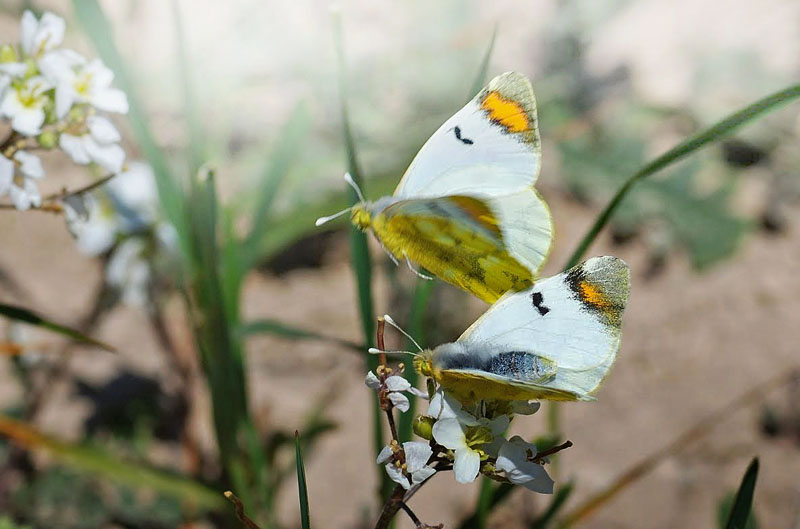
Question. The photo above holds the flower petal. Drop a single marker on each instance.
(417, 455)
(28, 121)
(102, 130)
(466, 465)
(397, 383)
(31, 165)
(448, 433)
(6, 174)
(110, 100)
(27, 31)
(385, 454)
(541, 483)
(73, 146)
(422, 474)
(109, 157)
(522, 407)
(372, 381)
(396, 475)
(443, 406)
(399, 401)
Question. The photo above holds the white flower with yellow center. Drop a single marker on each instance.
(98, 144)
(38, 37)
(77, 81)
(23, 103)
(414, 469)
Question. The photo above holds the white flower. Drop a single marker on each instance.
(514, 459)
(129, 271)
(80, 82)
(13, 69)
(20, 185)
(467, 437)
(394, 386)
(98, 145)
(417, 455)
(92, 221)
(41, 36)
(24, 104)
(134, 191)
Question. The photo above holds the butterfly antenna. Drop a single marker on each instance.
(391, 322)
(349, 179)
(376, 351)
(322, 220)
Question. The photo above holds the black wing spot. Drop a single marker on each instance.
(538, 299)
(465, 141)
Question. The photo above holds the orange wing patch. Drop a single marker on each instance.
(506, 112)
(592, 295)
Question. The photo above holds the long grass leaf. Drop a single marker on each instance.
(96, 461)
(277, 328)
(483, 68)
(685, 148)
(302, 487)
(273, 174)
(560, 497)
(359, 250)
(195, 135)
(98, 28)
(416, 327)
(28, 316)
(743, 503)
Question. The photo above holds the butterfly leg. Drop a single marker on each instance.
(417, 272)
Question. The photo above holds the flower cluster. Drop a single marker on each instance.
(467, 438)
(121, 220)
(50, 97)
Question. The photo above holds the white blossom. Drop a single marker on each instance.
(99, 145)
(37, 37)
(18, 179)
(77, 81)
(23, 102)
(394, 385)
(514, 459)
(416, 468)
(468, 437)
(129, 271)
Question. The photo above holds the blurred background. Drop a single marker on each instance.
(713, 243)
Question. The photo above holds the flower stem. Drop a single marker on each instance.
(411, 514)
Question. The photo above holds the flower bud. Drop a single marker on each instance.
(423, 426)
(8, 53)
(48, 139)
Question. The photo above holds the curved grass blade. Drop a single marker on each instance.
(743, 502)
(95, 460)
(27, 316)
(94, 21)
(560, 497)
(273, 174)
(302, 488)
(277, 328)
(359, 252)
(483, 69)
(692, 144)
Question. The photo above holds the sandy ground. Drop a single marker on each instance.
(692, 342)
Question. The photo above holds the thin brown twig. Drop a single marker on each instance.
(50, 204)
(550, 451)
(238, 507)
(698, 430)
(411, 515)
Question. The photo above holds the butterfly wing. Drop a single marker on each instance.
(486, 246)
(490, 147)
(572, 319)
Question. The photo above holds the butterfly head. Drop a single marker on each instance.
(361, 216)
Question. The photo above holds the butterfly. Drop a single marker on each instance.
(555, 340)
(466, 210)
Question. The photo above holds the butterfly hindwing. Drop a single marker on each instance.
(486, 246)
(491, 146)
(572, 320)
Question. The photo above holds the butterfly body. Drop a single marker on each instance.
(466, 210)
(555, 340)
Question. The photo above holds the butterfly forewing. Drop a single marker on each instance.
(491, 146)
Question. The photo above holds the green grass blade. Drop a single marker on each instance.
(692, 144)
(359, 251)
(96, 25)
(277, 328)
(489, 497)
(96, 461)
(416, 327)
(560, 497)
(273, 174)
(743, 503)
(194, 128)
(302, 488)
(27, 316)
(483, 69)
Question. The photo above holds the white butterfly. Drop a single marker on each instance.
(555, 340)
(466, 209)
